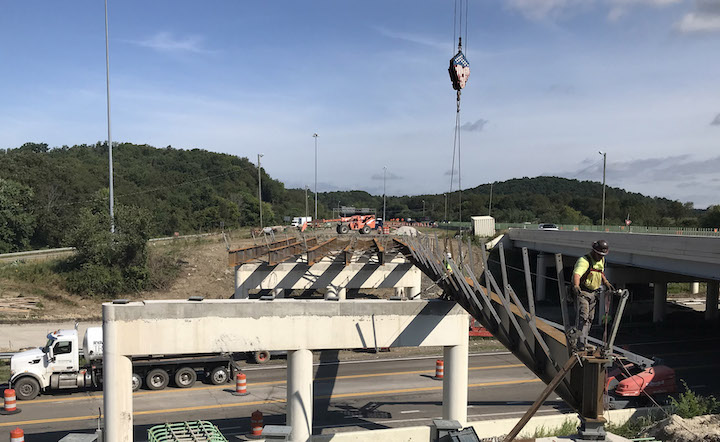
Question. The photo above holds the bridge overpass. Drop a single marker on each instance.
(633, 258)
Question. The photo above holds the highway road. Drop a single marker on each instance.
(349, 395)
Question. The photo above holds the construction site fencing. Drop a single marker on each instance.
(685, 231)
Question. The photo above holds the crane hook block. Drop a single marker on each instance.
(459, 71)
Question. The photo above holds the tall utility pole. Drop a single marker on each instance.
(107, 83)
(260, 190)
(384, 176)
(316, 137)
(423, 209)
(604, 154)
(306, 203)
(490, 204)
(446, 201)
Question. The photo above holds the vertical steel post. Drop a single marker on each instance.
(260, 190)
(384, 176)
(604, 154)
(315, 135)
(528, 283)
(110, 156)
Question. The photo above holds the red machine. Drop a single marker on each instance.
(362, 223)
(635, 381)
(478, 330)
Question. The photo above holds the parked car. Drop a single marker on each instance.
(547, 226)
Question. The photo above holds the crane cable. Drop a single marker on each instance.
(459, 72)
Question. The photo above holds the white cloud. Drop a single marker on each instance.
(476, 126)
(167, 42)
(543, 9)
(705, 18)
(412, 38)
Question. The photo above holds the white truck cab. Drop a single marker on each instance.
(55, 365)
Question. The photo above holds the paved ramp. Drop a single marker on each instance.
(694, 256)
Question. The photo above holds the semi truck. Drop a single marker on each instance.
(58, 366)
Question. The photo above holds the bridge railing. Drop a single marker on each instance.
(686, 231)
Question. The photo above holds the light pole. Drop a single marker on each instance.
(423, 210)
(306, 203)
(107, 83)
(604, 154)
(384, 176)
(315, 135)
(260, 190)
(490, 204)
(446, 199)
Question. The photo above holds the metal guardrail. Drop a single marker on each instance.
(684, 231)
(6, 355)
(36, 254)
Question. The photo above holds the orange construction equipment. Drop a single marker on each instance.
(362, 223)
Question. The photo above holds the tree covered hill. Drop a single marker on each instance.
(42, 190)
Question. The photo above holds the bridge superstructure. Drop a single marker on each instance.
(634, 258)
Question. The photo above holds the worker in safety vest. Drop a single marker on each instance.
(588, 279)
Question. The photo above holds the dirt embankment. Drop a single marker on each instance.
(32, 292)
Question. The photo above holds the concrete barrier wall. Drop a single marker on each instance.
(484, 429)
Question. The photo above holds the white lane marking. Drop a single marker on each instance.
(409, 411)
(370, 361)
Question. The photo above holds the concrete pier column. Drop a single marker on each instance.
(711, 300)
(299, 394)
(241, 289)
(117, 396)
(412, 292)
(659, 301)
(331, 293)
(342, 293)
(455, 381)
(540, 278)
(694, 288)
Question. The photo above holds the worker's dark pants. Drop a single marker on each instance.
(586, 312)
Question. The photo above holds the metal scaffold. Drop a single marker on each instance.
(551, 351)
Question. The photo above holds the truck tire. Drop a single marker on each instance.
(185, 377)
(219, 376)
(261, 357)
(157, 379)
(343, 229)
(27, 388)
(136, 382)
(365, 230)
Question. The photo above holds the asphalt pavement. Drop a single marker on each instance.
(349, 396)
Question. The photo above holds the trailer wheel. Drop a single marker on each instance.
(136, 382)
(185, 377)
(365, 230)
(261, 357)
(343, 229)
(157, 379)
(27, 388)
(219, 376)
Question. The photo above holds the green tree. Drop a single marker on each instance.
(109, 263)
(17, 223)
(711, 218)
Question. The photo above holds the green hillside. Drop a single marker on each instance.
(42, 190)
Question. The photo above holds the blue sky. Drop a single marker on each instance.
(552, 82)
